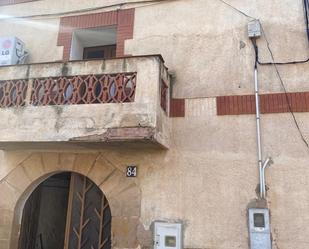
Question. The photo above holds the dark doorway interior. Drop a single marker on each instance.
(44, 215)
(66, 211)
(101, 52)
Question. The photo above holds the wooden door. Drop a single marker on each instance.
(101, 52)
(88, 217)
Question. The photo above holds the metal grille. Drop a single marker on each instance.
(13, 93)
(90, 216)
(89, 89)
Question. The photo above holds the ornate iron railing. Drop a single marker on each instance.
(66, 90)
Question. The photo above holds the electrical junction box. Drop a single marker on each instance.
(259, 228)
(167, 235)
(12, 51)
(254, 29)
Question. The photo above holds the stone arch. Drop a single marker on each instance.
(123, 194)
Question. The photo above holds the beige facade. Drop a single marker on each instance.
(202, 170)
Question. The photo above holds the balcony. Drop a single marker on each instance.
(78, 104)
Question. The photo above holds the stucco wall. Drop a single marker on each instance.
(208, 47)
(209, 176)
(206, 179)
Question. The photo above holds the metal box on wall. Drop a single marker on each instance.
(259, 228)
(12, 51)
(167, 235)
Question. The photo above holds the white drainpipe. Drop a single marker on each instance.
(262, 166)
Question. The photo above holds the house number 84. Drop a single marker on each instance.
(131, 171)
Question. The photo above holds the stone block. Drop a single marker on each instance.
(5, 232)
(9, 196)
(50, 161)
(4, 244)
(19, 179)
(124, 232)
(33, 166)
(84, 162)
(6, 216)
(10, 160)
(101, 170)
(66, 161)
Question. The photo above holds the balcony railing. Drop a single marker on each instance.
(86, 89)
(123, 99)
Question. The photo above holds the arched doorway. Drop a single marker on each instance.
(66, 211)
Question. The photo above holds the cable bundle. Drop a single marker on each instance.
(306, 13)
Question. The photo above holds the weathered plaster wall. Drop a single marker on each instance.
(208, 49)
(206, 179)
(209, 175)
(197, 45)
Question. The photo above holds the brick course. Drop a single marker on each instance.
(269, 103)
(177, 108)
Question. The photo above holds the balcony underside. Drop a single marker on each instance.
(129, 138)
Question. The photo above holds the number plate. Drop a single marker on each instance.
(131, 171)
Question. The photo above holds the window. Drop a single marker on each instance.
(94, 43)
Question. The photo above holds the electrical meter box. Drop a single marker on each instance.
(167, 235)
(254, 29)
(259, 228)
(12, 51)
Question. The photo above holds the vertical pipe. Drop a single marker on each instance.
(258, 129)
(265, 164)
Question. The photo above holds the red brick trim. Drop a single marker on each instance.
(177, 108)
(123, 19)
(270, 103)
(11, 2)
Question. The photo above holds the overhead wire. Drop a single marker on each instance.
(238, 10)
(306, 11)
(274, 64)
(306, 14)
(282, 85)
(306, 17)
(85, 10)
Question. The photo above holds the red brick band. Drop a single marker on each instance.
(269, 103)
(123, 19)
(177, 108)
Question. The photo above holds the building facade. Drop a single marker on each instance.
(165, 88)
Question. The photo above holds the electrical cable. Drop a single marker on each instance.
(283, 63)
(282, 85)
(238, 10)
(306, 13)
(87, 9)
